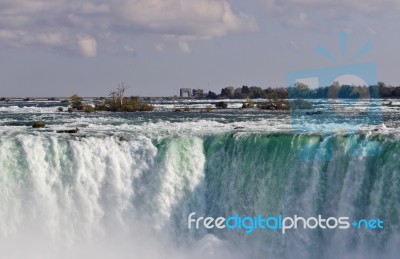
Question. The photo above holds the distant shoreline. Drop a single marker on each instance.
(60, 99)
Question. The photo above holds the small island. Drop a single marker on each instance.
(116, 102)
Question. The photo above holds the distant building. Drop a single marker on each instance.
(186, 92)
(198, 93)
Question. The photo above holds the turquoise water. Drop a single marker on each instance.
(126, 184)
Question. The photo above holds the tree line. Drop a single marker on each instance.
(300, 90)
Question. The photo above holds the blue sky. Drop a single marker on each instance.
(62, 47)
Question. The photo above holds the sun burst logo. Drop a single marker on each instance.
(348, 100)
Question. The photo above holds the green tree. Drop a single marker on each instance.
(221, 105)
(211, 95)
(228, 92)
(76, 102)
(88, 108)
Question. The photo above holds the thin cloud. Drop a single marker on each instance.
(129, 49)
(160, 47)
(87, 46)
(184, 46)
(299, 21)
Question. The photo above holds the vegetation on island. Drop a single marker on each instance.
(274, 104)
(249, 104)
(88, 108)
(38, 124)
(221, 105)
(77, 102)
(116, 102)
(209, 108)
(119, 103)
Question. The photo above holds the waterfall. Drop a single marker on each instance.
(102, 196)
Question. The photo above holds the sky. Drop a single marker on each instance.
(63, 47)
